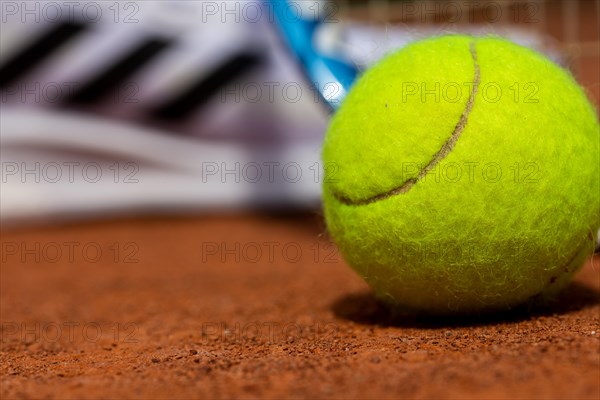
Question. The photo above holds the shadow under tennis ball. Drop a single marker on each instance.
(364, 308)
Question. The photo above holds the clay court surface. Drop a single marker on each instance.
(255, 306)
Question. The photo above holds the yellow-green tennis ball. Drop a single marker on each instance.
(462, 175)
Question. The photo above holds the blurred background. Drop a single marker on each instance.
(177, 107)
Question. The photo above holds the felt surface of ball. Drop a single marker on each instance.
(462, 175)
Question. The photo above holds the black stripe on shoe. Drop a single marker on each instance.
(33, 54)
(203, 89)
(109, 80)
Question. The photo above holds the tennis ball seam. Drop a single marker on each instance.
(565, 267)
(437, 157)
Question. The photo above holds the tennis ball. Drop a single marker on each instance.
(462, 175)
